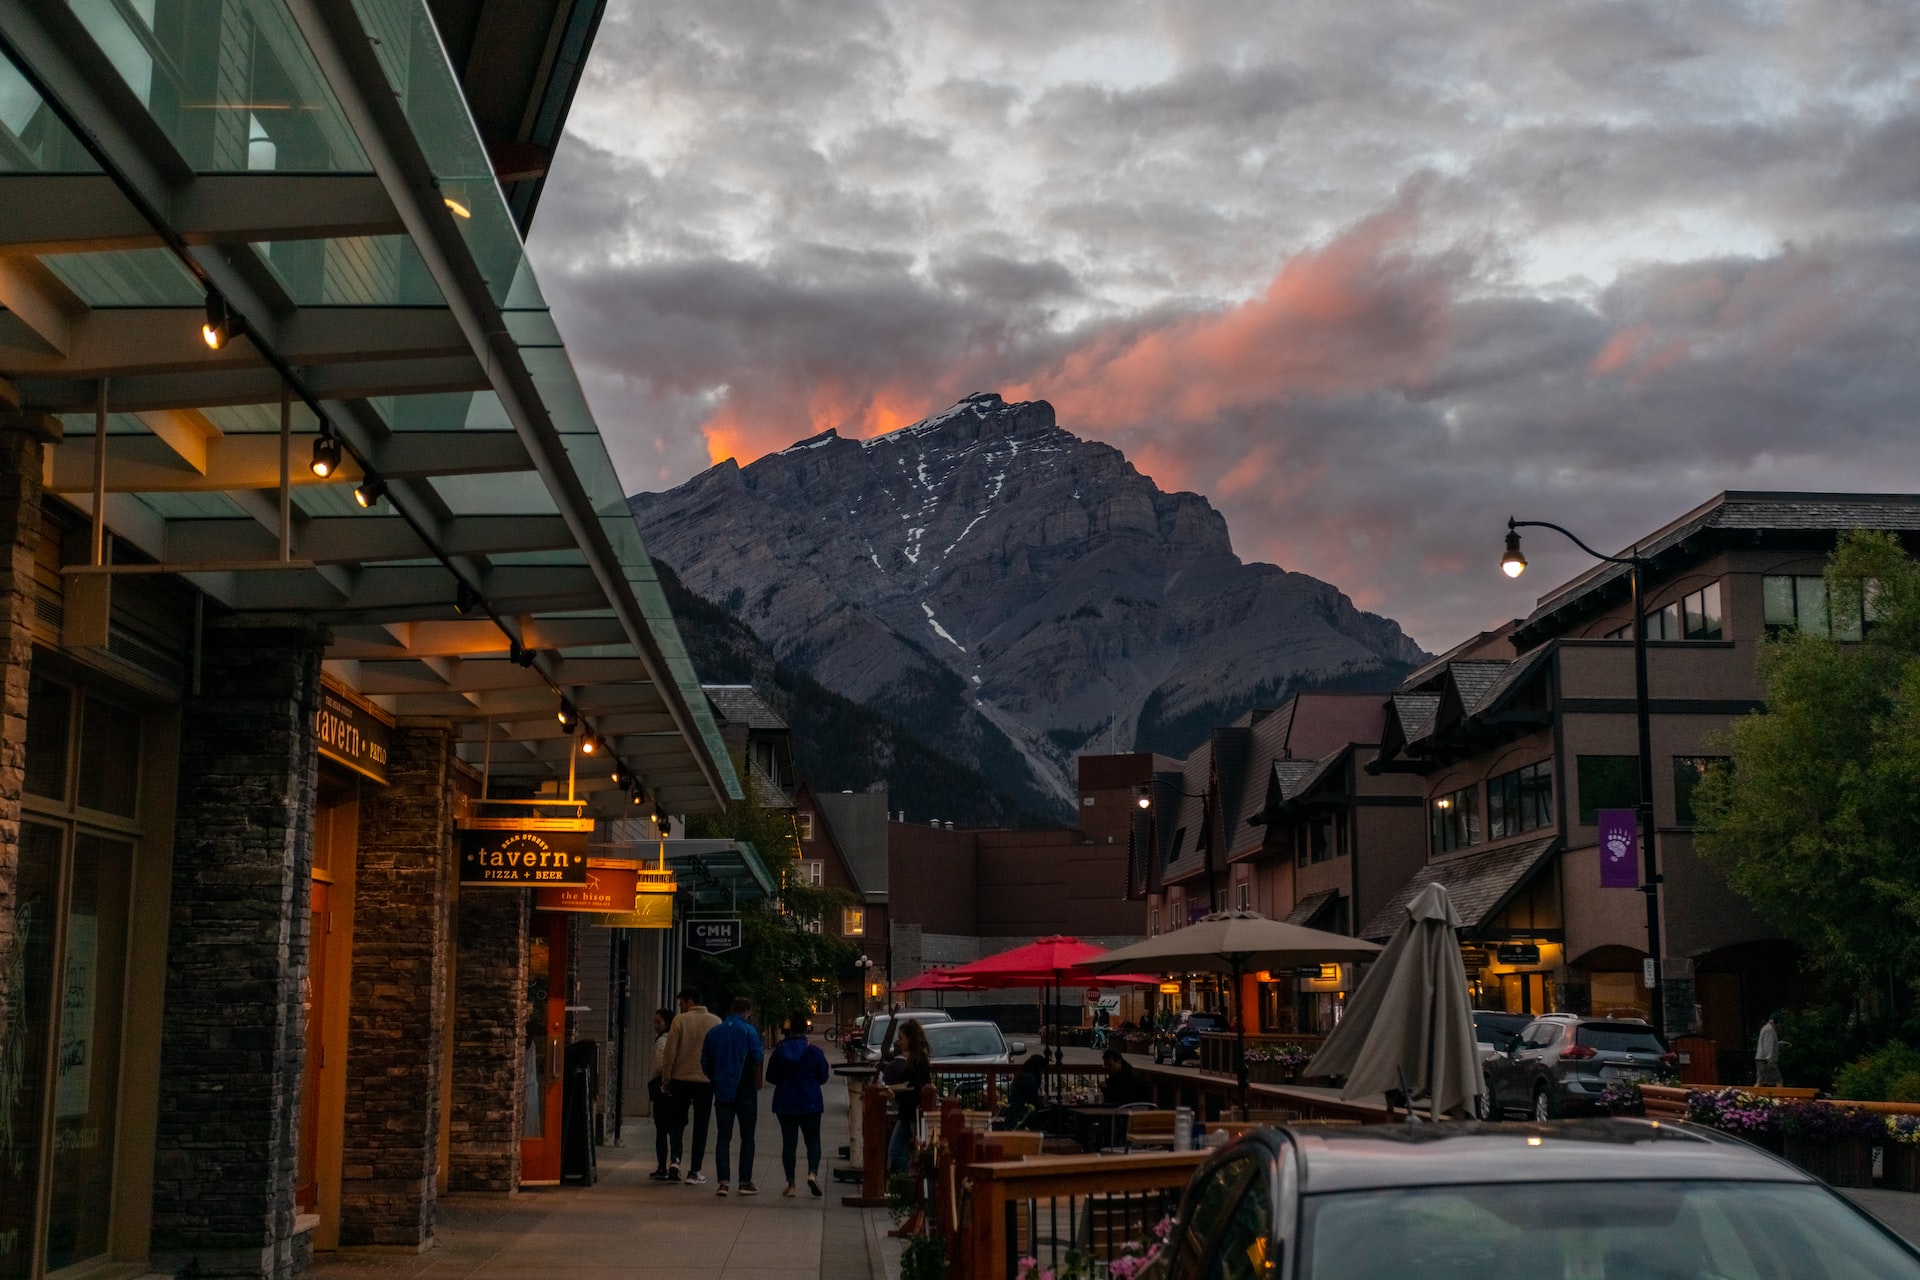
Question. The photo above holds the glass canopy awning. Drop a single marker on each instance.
(307, 170)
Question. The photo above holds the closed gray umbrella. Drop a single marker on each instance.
(1409, 1025)
(1237, 943)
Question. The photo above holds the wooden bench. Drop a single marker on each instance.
(1150, 1129)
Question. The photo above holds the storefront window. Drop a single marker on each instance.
(109, 758)
(49, 719)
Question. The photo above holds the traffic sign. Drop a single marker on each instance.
(712, 937)
(1093, 995)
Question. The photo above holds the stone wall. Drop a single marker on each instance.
(233, 1030)
(21, 441)
(489, 1040)
(398, 1005)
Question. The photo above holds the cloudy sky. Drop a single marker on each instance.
(1369, 276)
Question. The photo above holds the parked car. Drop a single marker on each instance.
(1183, 1045)
(1561, 1062)
(969, 1042)
(1493, 1031)
(878, 1029)
(1599, 1199)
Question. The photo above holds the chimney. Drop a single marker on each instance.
(949, 825)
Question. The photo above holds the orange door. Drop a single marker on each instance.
(307, 1179)
(545, 1047)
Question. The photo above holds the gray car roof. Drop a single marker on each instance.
(1456, 1154)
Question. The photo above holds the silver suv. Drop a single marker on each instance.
(1560, 1064)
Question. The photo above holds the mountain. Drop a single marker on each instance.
(839, 745)
(1014, 593)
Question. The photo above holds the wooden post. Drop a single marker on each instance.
(873, 1150)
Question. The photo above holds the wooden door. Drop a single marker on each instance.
(545, 1048)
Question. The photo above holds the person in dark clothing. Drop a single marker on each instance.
(734, 1061)
(916, 1074)
(796, 1069)
(1123, 1084)
(666, 1132)
(1024, 1094)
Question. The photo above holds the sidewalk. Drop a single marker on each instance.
(628, 1226)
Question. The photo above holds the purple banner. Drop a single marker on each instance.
(1619, 849)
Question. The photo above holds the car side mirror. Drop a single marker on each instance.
(1018, 1046)
(1513, 1047)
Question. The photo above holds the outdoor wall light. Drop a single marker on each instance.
(223, 324)
(1513, 564)
(1143, 797)
(567, 715)
(1443, 804)
(326, 455)
(370, 490)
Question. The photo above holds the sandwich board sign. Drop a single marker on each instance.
(713, 937)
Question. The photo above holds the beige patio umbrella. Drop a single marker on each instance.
(1409, 1025)
(1237, 943)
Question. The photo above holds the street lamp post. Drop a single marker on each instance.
(1513, 564)
(865, 965)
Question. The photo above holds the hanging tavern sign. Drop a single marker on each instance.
(524, 851)
(349, 732)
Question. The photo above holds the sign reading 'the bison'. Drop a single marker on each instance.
(524, 857)
(711, 937)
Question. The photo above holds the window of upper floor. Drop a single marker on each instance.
(1520, 800)
(1799, 602)
(813, 873)
(853, 923)
(1695, 616)
(1606, 782)
(804, 820)
(1687, 774)
(1453, 820)
(1153, 922)
(1177, 847)
(1320, 837)
(1244, 896)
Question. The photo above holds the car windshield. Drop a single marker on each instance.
(958, 1040)
(1619, 1039)
(1499, 1026)
(1597, 1231)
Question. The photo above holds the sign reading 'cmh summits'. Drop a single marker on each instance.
(524, 851)
(712, 937)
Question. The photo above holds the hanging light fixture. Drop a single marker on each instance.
(465, 598)
(567, 714)
(618, 775)
(370, 490)
(589, 744)
(326, 454)
(519, 655)
(223, 323)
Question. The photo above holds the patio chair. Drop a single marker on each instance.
(1152, 1128)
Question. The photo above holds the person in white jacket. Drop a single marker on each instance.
(1766, 1054)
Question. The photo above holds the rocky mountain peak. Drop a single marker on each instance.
(1002, 585)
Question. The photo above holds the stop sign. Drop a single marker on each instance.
(1093, 995)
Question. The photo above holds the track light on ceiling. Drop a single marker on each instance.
(223, 323)
(519, 655)
(638, 795)
(465, 598)
(370, 490)
(589, 744)
(567, 715)
(618, 775)
(326, 454)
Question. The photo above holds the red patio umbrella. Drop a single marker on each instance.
(1046, 962)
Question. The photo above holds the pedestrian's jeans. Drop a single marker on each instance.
(666, 1125)
(792, 1129)
(746, 1111)
(693, 1098)
(900, 1146)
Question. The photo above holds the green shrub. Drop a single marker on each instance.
(1873, 1077)
(1905, 1087)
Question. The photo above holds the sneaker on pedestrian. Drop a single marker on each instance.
(660, 1175)
(673, 1172)
(748, 1189)
(813, 1183)
(789, 1192)
(695, 1179)
(720, 1190)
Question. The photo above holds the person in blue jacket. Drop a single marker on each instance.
(733, 1058)
(796, 1070)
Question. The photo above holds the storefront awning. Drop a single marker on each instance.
(313, 192)
(1479, 884)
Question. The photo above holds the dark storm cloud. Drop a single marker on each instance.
(1368, 276)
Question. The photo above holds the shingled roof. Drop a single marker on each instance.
(1479, 884)
(739, 704)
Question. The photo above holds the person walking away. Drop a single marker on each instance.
(796, 1069)
(1766, 1054)
(1123, 1084)
(691, 1089)
(666, 1134)
(916, 1073)
(1023, 1095)
(734, 1060)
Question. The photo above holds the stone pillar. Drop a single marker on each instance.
(489, 1039)
(22, 437)
(233, 1030)
(402, 893)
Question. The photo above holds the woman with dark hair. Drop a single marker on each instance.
(666, 1134)
(916, 1073)
(1023, 1095)
(796, 1069)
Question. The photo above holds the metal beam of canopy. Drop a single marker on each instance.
(85, 212)
(133, 341)
(357, 539)
(220, 388)
(151, 464)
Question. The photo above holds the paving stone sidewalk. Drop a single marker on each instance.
(628, 1226)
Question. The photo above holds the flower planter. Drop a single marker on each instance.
(1845, 1162)
(1900, 1166)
